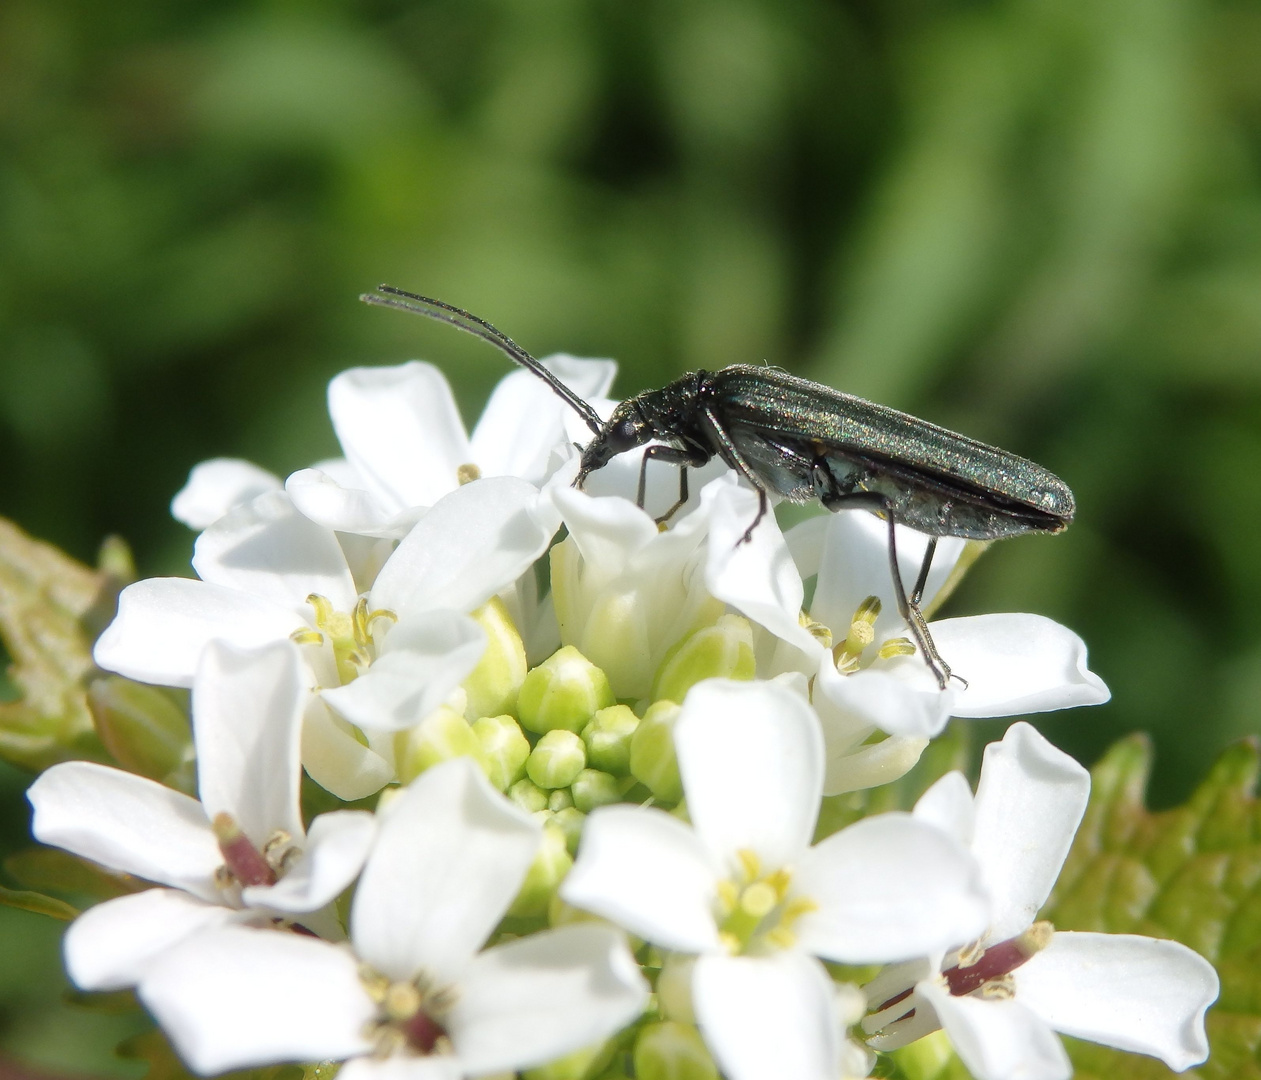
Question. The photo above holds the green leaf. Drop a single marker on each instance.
(52, 870)
(1189, 874)
(51, 608)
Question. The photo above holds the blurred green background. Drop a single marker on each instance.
(1034, 221)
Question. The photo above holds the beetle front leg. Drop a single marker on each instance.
(834, 499)
(685, 459)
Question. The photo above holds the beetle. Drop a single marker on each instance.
(804, 441)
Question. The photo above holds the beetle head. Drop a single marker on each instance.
(625, 430)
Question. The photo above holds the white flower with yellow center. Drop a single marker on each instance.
(384, 659)
(742, 888)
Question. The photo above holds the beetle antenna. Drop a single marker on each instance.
(471, 324)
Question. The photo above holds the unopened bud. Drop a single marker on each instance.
(570, 821)
(672, 1051)
(674, 988)
(556, 760)
(592, 788)
(565, 691)
(578, 1065)
(551, 864)
(504, 749)
(442, 735)
(724, 650)
(607, 739)
(652, 759)
(528, 795)
(494, 684)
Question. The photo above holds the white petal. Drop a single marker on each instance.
(326, 500)
(949, 805)
(400, 428)
(855, 566)
(758, 577)
(607, 530)
(523, 424)
(127, 823)
(421, 662)
(450, 856)
(271, 552)
(531, 1000)
(736, 738)
(214, 487)
(163, 624)
(873, 765)
(1016, 664)
(109, 946)
(1029, 801)
(767, 1018)
(337, 760)
(999, 1040)
(900, 696)
(336, 847)
(247, 723)
(402, 1067)
(236, 997)
(474, 542)
(888, 888)
(646, 871)
(1134, 993)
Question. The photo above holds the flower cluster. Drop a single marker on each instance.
(596, 751)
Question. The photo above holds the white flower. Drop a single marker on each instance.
(1012, 663)
(624, 591)
(247, 712)
(1002, 998)
(742, 888)
(415, 999)
(406, 447)
(384, 660)
(214, 487)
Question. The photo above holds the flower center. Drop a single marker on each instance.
(987, 969)
(410, 1013)
(848, 653)
(349, 634)
(754, 909)
(243, 863)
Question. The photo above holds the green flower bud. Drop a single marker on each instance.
(560, 799)
(579, 1065)
(440, 736)
(565, 691)
(674, 988)
(528, 795)
(672, 1051)
(607, 739)
(504, 749)
(494, 684)
(652, 759)
(548, 870)
(592, 788)
(556, 760)
(142, 728)
(570, 820)
(724, 650)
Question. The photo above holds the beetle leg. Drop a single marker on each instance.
(732, 456)
(908, 606)
(674, 456)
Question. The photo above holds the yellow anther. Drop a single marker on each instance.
(375, 985)
(307, 636)
(729, 942)
(795, 908)
(324, 610)
(822, 634)
(758, 900)
(402, 1001)
(1001, 988)
(728, 896)
(971, 954)
(782, 938)
(750, 864)
(1037, 937)
(898, 646)
(467, 473)
(779, 881)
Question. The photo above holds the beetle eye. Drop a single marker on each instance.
(624, 435)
